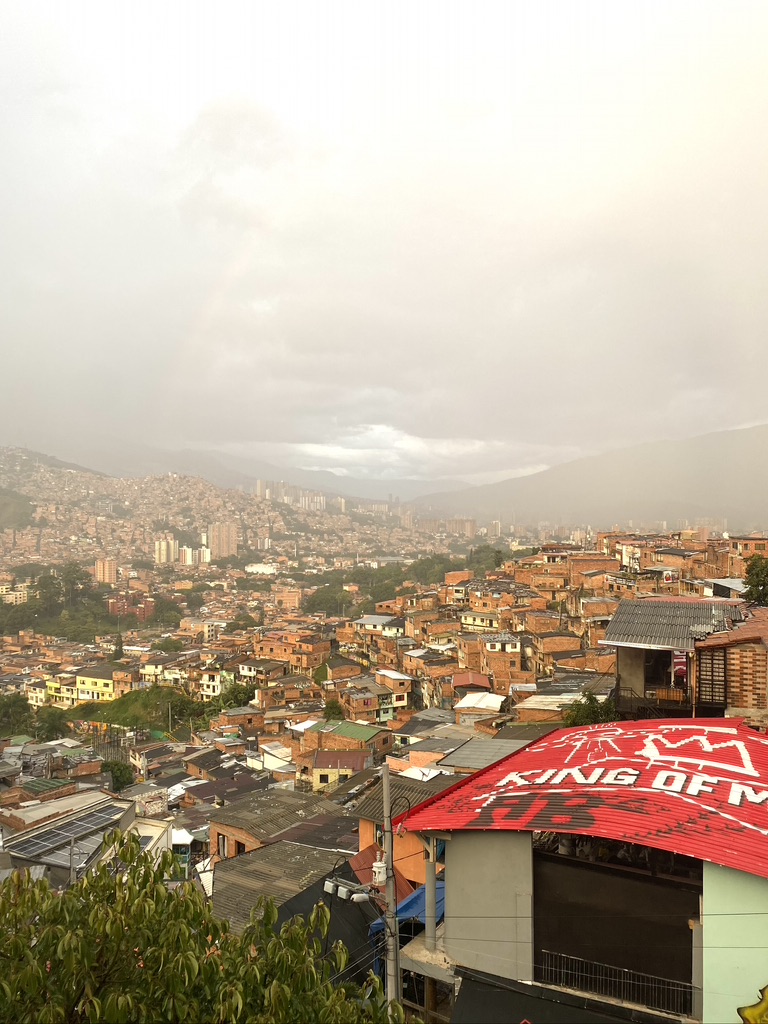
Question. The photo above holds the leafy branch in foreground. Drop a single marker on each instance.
(120, 945)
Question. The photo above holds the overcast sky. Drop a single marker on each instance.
(388, 239)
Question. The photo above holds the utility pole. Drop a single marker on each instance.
(390, 917)
(170, 726)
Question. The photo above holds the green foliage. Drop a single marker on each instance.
(121, 946)
(485, 558)
(15, 510)
(237, 695)
(117, 650)
(756, 579)
(590, 711)
(140, 709)
(242, 622)
(122, 774)
(167, 612)
(333, 709)
(168, 645)
(321, 673)
(194, 601)
(15, 715)
(432, 570)
(76, 583)
(51, 723)
(66, 604)
(331, 599)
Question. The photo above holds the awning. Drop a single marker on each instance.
(180, 837)
(414, 908)
(483, 1002)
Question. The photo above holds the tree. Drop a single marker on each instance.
(76, 582)
(485, 558)
(119, 945)
(241, 623)
(51, 723)
(333, 709)
(49, 594)
(756, 579)
(15, 715)
(590, 711)
(117, 650)
(169, 645)
(122, 774)
(320, 675)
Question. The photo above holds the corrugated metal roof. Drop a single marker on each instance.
(480, 752)
(695, 787)
(350, 730)
(267, 813)
(404, 793)
(669, 625)
(480, 702)
(278, 871)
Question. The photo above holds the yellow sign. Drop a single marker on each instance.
(758, 1013)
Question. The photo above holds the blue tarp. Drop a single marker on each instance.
(413, 908)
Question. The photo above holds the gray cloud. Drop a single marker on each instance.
(489, 244)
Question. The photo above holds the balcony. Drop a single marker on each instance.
(571, 972)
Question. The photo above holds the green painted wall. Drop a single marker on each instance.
(734, 942)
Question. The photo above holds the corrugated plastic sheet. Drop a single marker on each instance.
(669, 624)
(696, 787)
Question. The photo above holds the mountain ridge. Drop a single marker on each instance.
(719, 475)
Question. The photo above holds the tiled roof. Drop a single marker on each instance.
(669, 625)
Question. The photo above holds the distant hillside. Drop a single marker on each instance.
(718, 475)
(222, 470)
(15, 510)
(23, 458)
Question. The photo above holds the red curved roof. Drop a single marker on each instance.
(697, 787)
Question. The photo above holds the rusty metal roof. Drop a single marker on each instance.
(695, 787)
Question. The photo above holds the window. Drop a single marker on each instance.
(239, 848)
(712, 689)
(324, 779)
(222, 845)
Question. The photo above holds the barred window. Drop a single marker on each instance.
(712, 688)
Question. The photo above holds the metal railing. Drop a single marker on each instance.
(617, 983)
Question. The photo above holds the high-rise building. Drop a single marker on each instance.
(222, 539)
(106, 570)
(194, 556)
(166, 550)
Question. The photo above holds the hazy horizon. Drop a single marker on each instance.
(424, 242)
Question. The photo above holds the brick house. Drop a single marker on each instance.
(341, 735)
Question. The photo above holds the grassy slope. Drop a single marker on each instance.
(142, 709)
(15, 510)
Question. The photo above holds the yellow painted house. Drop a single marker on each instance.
(62, 690)
(96, 683)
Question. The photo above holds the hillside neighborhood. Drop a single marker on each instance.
(250, 740)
